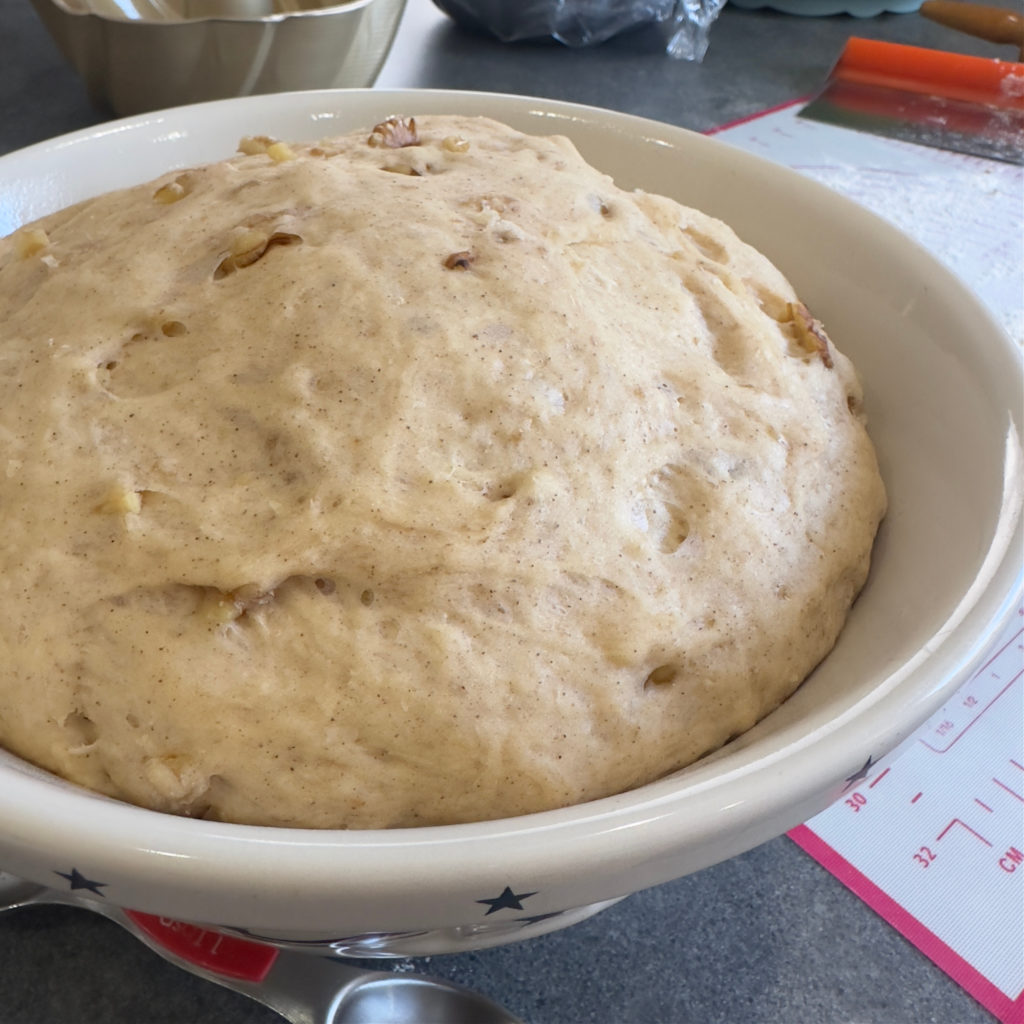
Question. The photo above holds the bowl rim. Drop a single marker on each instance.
(120, 18)
(650, 823)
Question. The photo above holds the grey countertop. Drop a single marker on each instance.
(765, 938)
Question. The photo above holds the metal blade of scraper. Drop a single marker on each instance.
(929, 97)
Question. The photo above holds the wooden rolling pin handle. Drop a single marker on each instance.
(995, 24)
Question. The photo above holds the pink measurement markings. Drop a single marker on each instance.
(1014, 794)
(957, 821)
(1003, 670)
(962, 732)
(878, 778)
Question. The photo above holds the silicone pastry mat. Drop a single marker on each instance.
(932, 837)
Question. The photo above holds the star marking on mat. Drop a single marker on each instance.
(508, 900)
(78, 881)
(861, 774)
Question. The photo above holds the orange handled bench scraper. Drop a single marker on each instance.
(966, 104)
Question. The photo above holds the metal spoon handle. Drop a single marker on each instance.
(302, 987)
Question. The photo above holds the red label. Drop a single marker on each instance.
(214, 951)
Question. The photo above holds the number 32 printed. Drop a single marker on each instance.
(924, 857)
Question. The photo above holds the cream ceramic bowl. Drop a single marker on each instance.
(944, 395)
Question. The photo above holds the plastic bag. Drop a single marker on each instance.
(579, 23)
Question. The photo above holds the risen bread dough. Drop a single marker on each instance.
(368, 485)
